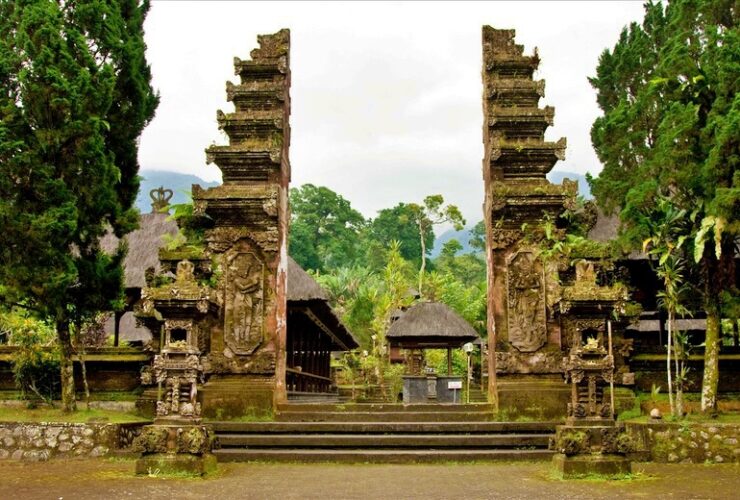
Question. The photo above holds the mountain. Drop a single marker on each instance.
(180, 184)
(462, 236)
(556, 177)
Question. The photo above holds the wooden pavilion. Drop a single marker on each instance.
(430, 325)
(314, 332)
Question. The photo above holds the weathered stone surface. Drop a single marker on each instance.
(235, 323)
(670, 442)
(516, 160)
(41, 441)
(586, 465)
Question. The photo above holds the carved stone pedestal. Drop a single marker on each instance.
(591, 447)
(584, 465)
(169, 447)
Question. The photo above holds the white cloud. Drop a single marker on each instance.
(386, 96)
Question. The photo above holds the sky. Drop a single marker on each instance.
(386, 96)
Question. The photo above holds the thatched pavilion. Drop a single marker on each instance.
(143, 253)
(314, 330)
(431, 325)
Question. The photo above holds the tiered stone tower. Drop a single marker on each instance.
(524, 337)
(248, 234)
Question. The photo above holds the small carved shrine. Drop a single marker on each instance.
(590, 441)
(187, 312)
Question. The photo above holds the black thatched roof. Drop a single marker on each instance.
(303, 291)
(606, 227)
(143, 252)
(430, 324)
(301, 286)
(143, 246)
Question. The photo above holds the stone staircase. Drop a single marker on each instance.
(383, 433)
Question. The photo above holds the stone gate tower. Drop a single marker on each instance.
(524, 337)
(248, 234)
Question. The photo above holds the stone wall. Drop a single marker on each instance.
(41, 441)
(686, 442)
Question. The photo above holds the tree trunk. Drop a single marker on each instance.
(711, 363)
(679, 353)
(81, 353)
(668, 364)
(423, 258)
(718, 276)
(67, 368)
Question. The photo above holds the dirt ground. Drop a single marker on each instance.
(113, 479)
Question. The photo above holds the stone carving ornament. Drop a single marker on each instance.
(244, 302)
(526, 302)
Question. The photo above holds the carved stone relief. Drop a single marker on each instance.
(244, 302)
(526, 302)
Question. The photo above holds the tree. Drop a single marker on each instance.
(325, 229)
(75, 97)
(667, 229)
(668, 90)
(478, 237)
(431, 213)
(398, 224)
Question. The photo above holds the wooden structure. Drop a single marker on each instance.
(430, 325)
(314, 332)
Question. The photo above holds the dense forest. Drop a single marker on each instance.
(370, 267)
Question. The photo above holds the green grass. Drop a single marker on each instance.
(722, 418)
(56, 415)
(554, 475)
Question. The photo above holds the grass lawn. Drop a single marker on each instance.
(55, 415)
(722, 418)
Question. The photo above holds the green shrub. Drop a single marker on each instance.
(36, 358)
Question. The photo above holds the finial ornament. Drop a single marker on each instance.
(160, 198)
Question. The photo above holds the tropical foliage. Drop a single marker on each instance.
(75, 95)
(670, 129)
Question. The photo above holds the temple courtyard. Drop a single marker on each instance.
(113, 479)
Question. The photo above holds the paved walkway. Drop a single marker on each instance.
(105, 479)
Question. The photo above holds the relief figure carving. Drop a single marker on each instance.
(244, 303)
(526, 306)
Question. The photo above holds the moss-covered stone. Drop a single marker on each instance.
(572, 467)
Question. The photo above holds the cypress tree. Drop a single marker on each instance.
(75, 95)
(671, 130)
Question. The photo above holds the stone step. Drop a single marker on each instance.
(381, 407)
(384, 440)
(378, 455)
(385, 416)
(408, 427)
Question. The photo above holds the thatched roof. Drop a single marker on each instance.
(301, 286)
(143, 246)
(129, 331)
(304, 291)
(430, 324)
(606, 227)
